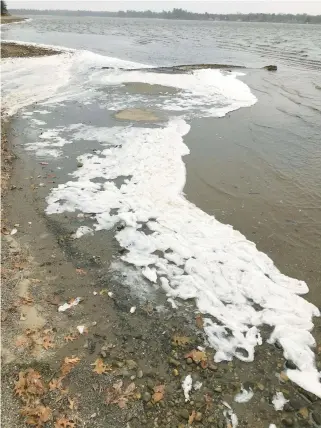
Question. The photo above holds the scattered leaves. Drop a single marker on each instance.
(100, 367)
(29, 385)
(159, 391)
(37, 415)
(199, 321)
(199, 357)
(68, 364)
(63, 422)
(181, 340)
(115, 394)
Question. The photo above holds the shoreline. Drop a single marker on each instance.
(132, 344)
(8, 19)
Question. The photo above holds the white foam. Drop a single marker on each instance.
(187, 386)
(244, 396)
(202, 258)
(279, 401)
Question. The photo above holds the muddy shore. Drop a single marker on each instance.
(11, 19)
(123, 368)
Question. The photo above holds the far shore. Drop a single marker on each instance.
(8, 19)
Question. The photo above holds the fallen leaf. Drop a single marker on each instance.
(22, 342)
(81, 271)
(20, 266)
(115, 395)
(199, 321)
(55, 384)
(100, 367)
(181, 340)
(68, 364)
(26, 300)
(47, 342)
(304, 412)
(198, 357)
(63, 422)
(71, 337)
(208, 401)
(191, 417)
(158, 393)
(72, 404)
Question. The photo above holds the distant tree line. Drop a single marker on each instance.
(183, 14)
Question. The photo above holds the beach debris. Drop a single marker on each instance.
(117, 395)
(44, 163)
(82, 329)
(187, 386)
(95, 293)
(132, 309)
(73, 302)
(244, 396)
(37, 415)
(110, 294)
(14, 231)
(81, 271)
(159, 391)
(230, 416)
(101, 367)
(279, 401)
(191, 417)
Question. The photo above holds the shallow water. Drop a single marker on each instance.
(254, 163)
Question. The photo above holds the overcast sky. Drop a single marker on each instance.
(222, 6)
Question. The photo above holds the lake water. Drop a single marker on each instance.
(211, 148)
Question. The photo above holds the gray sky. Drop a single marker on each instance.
(222, 6)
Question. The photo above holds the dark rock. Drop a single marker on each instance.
(316, 416)
(288, 422)
(290, 365)
(270, 67)
(147, 396)
(296, 403)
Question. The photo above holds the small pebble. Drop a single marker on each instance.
(139, 374)
(147, 396)
(198, 416)
(189, 361)
(183, 413)
(287, 422)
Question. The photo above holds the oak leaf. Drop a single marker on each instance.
(47, 342)
(199, 321)
(63, 422)
(100, 367)
(199, 357)
(191, 417)
(181, 340)
(68, 364)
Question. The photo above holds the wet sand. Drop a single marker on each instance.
(14, 50)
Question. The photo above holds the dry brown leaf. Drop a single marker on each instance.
(72, 404)
(68, 364)
(55, 384)
(208, 401)
(21, 265)
(63, 422)
(100, 367)
(22, 342)
(47, 342)
(181, 340)
(159, 391)
(81, 271)
(191, 417)
(199, 321)
(199, 357)
(71, 337)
